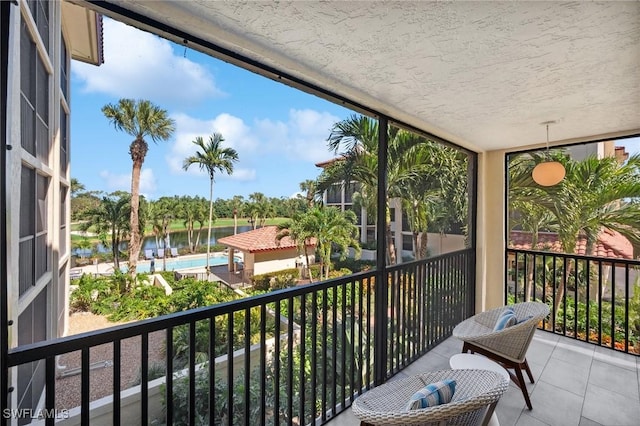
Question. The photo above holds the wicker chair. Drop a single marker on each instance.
(507, 346)
(476, 391)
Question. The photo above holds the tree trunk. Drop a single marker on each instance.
(134, 223)
(424, 240)
(306, 255)
(235, 221)
(197, 243)
(210, 217)
(391, 245)
(114, 248)
(190, 235)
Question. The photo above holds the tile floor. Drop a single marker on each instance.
(577, 384)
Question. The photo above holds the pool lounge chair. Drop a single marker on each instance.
(160, 253)
(148, 254)
(174, 252)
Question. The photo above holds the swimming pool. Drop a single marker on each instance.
(175, 264)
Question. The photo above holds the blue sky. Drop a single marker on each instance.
(279, 132)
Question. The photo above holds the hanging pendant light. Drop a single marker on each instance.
(548, 172)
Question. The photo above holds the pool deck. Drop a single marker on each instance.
(106, 268)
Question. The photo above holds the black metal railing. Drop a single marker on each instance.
(593, 299)
(295, 356)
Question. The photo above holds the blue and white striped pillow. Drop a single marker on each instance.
(506, 319)
(433, 394)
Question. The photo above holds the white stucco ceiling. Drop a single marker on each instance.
(481, 74)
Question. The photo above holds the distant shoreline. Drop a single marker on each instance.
(177, 226)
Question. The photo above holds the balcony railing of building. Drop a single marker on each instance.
(298, 356)
(593, 299)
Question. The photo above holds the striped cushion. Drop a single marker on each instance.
(433, 394)
(506, 319)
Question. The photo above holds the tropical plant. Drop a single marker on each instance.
(309, 187)
(76, 187)
(140, 119)
(595, 195)
(332, 228)
(302, 231)
(428, 178)
(258, 208)
(213, 158)
(238, 208)
(84, 245)
(192, 210)
(110, 221)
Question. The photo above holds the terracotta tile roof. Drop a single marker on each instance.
(327, 163)
(261, 239)
(610, 244)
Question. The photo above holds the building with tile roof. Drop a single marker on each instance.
(610, 244)
(263, 253)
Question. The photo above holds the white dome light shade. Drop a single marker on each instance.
(548, 173)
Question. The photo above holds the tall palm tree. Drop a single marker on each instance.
(213, 158)
(140, 119)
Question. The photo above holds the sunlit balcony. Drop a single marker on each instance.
(331, 349)
(575, 384)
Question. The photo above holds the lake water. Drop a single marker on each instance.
(179, 239)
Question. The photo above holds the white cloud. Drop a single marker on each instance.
(303, 136)
(138, 64)
(122, 182)
(236, 134)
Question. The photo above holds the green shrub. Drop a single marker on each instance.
(276, 280)
(89, 290)
(145, 301)
(354, 265)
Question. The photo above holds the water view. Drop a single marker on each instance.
(177, 240)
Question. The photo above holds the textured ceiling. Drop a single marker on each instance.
(481, 74)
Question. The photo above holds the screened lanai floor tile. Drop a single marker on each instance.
(576, 384)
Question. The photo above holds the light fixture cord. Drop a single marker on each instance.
(548, 155)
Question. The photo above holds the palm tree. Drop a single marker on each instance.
(357, 136)
(298, 230)
(596, 194)
(258, 208)
(76, 187)
(110, 221)
(213, 158)
(161, 213)
(309, 187)
(139, 119)
(331, 227)
(237, 204)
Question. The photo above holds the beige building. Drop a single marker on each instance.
(262, 253)
(44, 37)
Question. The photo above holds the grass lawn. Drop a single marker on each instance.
(178, 225)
